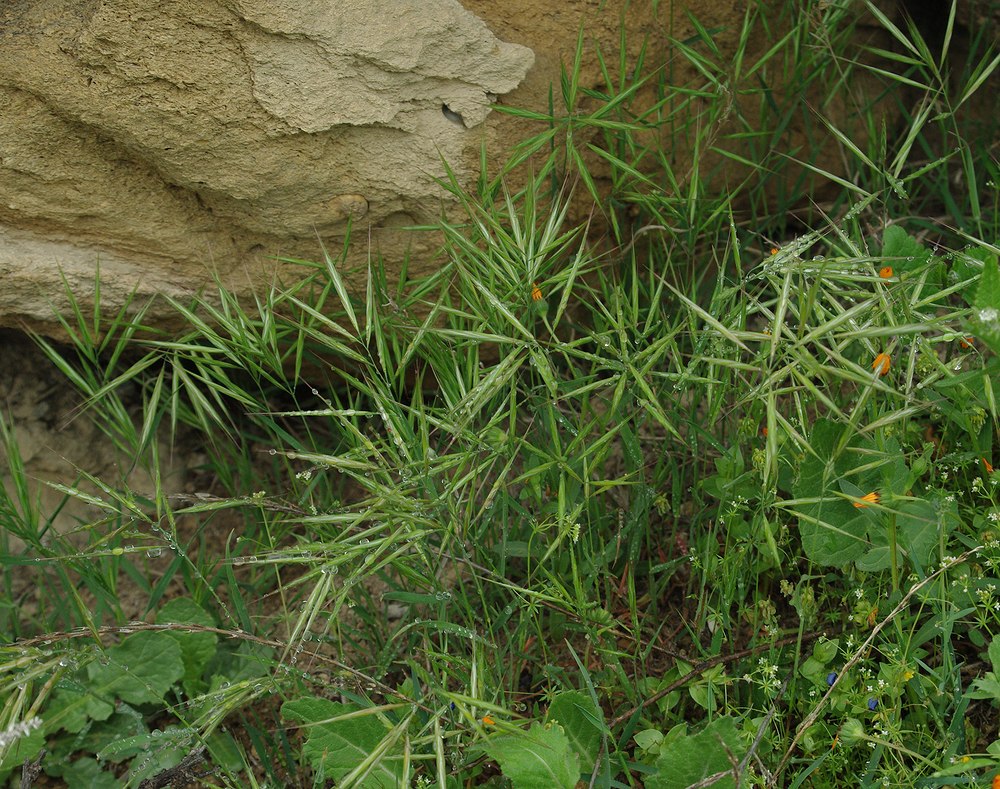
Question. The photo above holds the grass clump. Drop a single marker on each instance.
(708, 502)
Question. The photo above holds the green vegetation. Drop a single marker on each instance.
(669, 507)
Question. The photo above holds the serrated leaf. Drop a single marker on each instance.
(71, 708)
(97, 736)
(688, 760)
(540, 758)
(197, 649)
(583, 723)
(336, 744)
(987, 687)
(86, 773)
(140, 670)
(905, 252)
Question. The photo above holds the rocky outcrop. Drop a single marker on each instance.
(171, 142)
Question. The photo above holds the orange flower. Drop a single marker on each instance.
(868, 498)
(987, 465)
(536, 292)
(967, 342)
(763, 432)
(488, 720)
(774, 250)
(881, 363)
(996, 781)
(885, 272)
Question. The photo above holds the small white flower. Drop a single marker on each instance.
(987, 315)
(18, 730)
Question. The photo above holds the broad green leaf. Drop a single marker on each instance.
(688, 760)
(336, 744)
(225, 751)
(649, 739)
(987, 687)
(140, 670)
(833, 533)
(583, 723)
(814, 670)
(970, 265)
(72, 707)
(540, 758)
(196, 648)
(86, 773)
(877, 558)
(826, 650)
(832, 529)
(903, 251)
(96, 737)
(988, 294)
(917, 527)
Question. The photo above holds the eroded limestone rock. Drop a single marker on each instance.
(176, 141)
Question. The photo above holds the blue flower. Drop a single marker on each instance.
(872, 704)
(831, 678)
